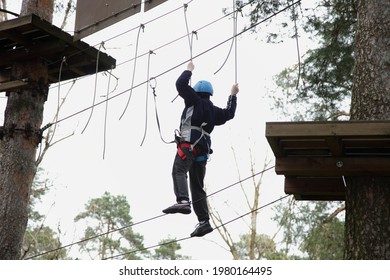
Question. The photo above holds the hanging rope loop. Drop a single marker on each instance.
(147, 97)
(153, 85)
(233, 42)
(235, 23)
(187, 29)
(106, 112)
(190, 37)
(95, 87)
(141, 27)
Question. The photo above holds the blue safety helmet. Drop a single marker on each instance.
(204, 86)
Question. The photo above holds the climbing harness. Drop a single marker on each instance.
(179, 139)
(203, 133)
(180, 152)
(194, 150)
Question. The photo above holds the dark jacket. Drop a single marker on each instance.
(198, 111)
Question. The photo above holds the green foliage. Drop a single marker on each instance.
(104, 216)
(307, 231)
(39, 188)
(317, 88)
(325, 241)
(167, 250)
(39, 239)
(265, 248)
(327, 70)
(259, 10)
(320, 86)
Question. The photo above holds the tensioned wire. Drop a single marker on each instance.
(126, 31)
(178, 65)
(186, 238)
(161, 74)
(159, 216)
(153, 20)
(168, 43)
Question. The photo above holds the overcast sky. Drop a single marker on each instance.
(143, 173)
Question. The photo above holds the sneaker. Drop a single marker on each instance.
(183, 207)
(202, 229)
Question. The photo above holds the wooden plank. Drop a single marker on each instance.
(320, 189)
(367, 146)
(15, 23)
(33, 22)
(152, 4)
(12, 85)
(80, 47)
(36, 51)
(31, 37)
(323, 129)
(308, 197)
(314, 186)
(276, 148)
(301, 147)
(95, 15)
(335, 146)
(4, 76)
(14, 36)
(299, 143)
(366, 142)
(332, 166)
(313, 150)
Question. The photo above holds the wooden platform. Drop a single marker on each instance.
(29, 37)
(314, 156)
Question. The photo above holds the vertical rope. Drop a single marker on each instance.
(147, 97)
(58, 98)
(235, 40)
(234, 43)
(95, 87)
(297, 46)
(156, 111)
(141, 27)
(190, 40)
(106, 113)
(188, 30)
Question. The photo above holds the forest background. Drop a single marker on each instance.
(140, 175)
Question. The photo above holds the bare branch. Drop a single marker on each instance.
(51, 130)
(68, 11)
(334, 214)
(239, 177)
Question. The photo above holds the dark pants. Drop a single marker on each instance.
(197, 172)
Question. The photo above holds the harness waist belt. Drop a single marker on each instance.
(180, 152)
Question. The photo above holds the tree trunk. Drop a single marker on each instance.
(18, 142)
(3, 15)
(367, 232)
